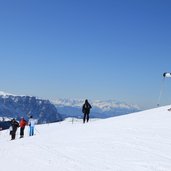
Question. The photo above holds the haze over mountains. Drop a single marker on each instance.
(46, 111)
(100, 108)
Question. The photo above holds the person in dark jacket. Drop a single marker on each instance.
(14, 126)
(86, 110)
(23, 123)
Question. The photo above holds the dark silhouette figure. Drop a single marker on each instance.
(86, 110)
(23, 123)
(14, 126)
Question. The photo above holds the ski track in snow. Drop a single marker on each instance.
(135, 142)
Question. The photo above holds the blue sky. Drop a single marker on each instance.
(95, 49)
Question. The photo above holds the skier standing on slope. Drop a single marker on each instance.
(23, 123)
(13, 128)
(86, 110)
(31, 124)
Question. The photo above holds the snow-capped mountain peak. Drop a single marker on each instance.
(68, 102)
(102, 104)
(2, 93)
(100, 108)
(16, 106)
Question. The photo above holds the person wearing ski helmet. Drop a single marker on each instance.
(86, 110)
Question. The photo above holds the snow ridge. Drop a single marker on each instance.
(2, 93)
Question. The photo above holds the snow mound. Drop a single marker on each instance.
(136, 142)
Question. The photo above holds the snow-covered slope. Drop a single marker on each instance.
(135, 142)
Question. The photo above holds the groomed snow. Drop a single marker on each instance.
(135, 142)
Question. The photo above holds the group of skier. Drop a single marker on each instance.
(31, 122)
(15, 125)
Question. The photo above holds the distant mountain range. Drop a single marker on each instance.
(13, 106)
(100, 108)
(45, 111)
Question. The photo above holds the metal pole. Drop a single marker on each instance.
(161, 91)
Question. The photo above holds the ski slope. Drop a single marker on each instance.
(135, 142)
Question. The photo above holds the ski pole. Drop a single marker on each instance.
(37, 131)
